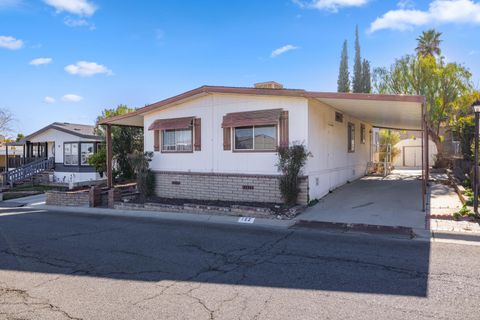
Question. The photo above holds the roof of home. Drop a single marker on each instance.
(79, 130)
(348, 102)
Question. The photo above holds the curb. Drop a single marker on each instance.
(356, 227)
(172, 216)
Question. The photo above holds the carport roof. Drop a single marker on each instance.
(386, 111)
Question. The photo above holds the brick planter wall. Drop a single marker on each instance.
(68, 198)
(227, 187)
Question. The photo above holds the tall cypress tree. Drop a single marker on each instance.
(357, 67)
(343, 82)
(366, 77)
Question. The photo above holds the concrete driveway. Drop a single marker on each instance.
(393, 201)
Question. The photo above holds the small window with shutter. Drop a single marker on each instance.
(177, 135)
(262, 130)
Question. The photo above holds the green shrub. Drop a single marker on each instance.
(140, 163)
(463, 212)
(291, 161)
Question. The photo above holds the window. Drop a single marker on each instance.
(34, 150)
(363, 138)
(177, 140)
(86, 150)
(261, 138)
(70, 154)
(351, 137)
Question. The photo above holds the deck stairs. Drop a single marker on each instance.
(28, 172)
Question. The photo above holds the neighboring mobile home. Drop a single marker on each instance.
(66, 147)
(219, 143)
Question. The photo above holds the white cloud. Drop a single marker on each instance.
(439, 12)
(406, 4)
(72, 98)
(329, 5)
(282, 50)
(73, 23)
(41, 61)
(87, 69)
(10, 43)
(49, 100)
(78, 7)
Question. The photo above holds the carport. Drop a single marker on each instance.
(398, 200)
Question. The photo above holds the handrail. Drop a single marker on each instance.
(28, 170)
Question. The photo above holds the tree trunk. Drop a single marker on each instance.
(440, 161)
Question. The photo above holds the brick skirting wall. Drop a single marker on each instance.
(68, 198)
(223, 186)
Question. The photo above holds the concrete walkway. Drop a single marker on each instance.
(394, 201)
(443, 200)
(38, 199)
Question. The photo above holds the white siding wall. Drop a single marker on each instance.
(57, 137)
(212, 157)
(332, 165)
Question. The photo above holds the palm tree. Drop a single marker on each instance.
(429, 43)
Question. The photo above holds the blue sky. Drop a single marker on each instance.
(66, 60)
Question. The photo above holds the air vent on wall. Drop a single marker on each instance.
(338, 117)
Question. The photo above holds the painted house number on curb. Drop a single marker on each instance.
(246, 220)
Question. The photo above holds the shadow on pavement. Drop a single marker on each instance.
(151, 250)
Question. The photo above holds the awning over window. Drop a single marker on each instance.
(167, 124)
(251, 118)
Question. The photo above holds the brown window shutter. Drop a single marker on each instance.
(156, 140)
(198, 134)
(283, 132)
(227, 138)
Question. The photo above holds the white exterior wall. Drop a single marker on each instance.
(66, 177)
(411, 153)
(212, 158)
(56, 139)
(332, 165)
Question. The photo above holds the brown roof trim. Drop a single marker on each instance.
(365, 96)
(267, 92)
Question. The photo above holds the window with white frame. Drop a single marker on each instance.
(70, 154)
(86, 151)
(258, 138)
(177, 140)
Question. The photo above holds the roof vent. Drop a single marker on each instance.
(268, 85)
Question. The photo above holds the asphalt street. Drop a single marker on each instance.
(56, 265)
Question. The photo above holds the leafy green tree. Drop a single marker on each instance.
(442, 84)
(125, 141)
(463, 123)
(429, 43)
(343, 83)
(388, 139)
(20, 136)
(357, 66)
(366, 77)
(98, 160)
